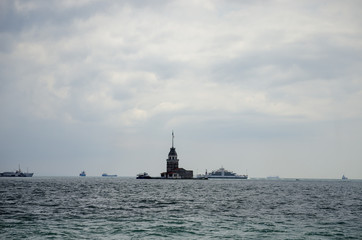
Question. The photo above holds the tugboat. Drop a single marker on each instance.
(222, 173)
(143, 176)
(17, 173)
(82, 174)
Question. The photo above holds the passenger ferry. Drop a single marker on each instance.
(222, 173)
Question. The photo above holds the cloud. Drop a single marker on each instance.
(227, 60)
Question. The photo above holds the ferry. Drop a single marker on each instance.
(17, 173)
(222, 173)
(82, 174)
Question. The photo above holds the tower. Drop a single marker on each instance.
(172, 169)
(172, 160)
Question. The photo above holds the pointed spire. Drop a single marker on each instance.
(172, 138)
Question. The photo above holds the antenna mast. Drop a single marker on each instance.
(172, 138)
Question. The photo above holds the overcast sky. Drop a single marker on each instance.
(263, 87)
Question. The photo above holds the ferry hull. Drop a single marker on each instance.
(226, 177)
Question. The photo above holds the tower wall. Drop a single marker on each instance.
(172, 166)
(172, 160)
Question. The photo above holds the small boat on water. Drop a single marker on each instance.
(107, 175)
(17, 173)
(273, 178)
(82, 174)
(222, 173)
(143, 176)
(344, 177)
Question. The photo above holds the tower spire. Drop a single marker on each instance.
(172, 138)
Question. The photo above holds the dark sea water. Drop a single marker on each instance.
(125, 208)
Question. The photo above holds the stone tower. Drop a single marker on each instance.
(172, 160)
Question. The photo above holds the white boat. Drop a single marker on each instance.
(222, 173)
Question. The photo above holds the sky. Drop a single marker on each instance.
(259, 87)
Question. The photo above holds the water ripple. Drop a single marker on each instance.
(98, 208)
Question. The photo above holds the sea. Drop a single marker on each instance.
(127, 208)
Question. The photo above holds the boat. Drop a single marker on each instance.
(273, 178)
(202, 176)
(143, 176)
(107, 175)
(17, 173)
(344, 177)
(222, 173)
(82, 174)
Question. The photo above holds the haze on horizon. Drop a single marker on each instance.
(267, 87)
